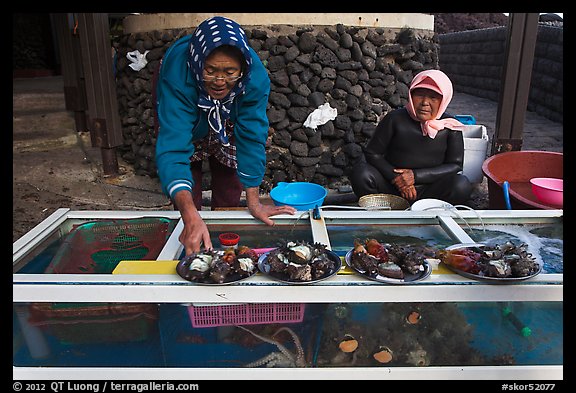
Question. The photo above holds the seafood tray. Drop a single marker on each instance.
(300, 263)
(77, 323)
(503, 264)
(246, 314)
(407, 279)
(218, 267)
(390, 263)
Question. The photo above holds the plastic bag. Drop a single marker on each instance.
(321, 115)
(137, 59)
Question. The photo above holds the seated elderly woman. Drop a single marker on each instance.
(416, 151)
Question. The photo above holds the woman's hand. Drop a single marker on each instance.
(264, 212)
(195, 232)
(408, 193)
(404, 182)
(404, 178)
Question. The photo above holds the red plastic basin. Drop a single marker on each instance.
(517, 168)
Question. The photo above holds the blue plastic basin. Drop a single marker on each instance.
(300, 195)
(466, 119)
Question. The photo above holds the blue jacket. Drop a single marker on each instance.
(182, 122)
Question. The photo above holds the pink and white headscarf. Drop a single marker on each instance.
(439, 82)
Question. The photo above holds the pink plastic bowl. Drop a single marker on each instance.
(548, 190)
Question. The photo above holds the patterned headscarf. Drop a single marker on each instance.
(439, 82)
(209, 35)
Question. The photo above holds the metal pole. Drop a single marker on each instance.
(68, 43)
(105, 126)
(516, 77)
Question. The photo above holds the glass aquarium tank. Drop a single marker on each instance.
(412, 334)
(74, 308)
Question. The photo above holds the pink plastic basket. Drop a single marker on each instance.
(246, 314)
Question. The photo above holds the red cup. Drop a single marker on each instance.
(229, 239)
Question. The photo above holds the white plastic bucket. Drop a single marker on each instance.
(475, 150)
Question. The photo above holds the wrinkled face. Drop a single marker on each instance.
(426, 103)
(221, 73)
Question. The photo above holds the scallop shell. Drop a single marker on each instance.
(348, 345)
(413, 317)
(385, 355)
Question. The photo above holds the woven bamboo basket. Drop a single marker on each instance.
(383, 202)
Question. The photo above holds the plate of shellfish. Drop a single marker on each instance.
(299, 262)
(500, 264)
(390, 263)
(218, 267)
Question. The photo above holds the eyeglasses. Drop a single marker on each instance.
(227, 78)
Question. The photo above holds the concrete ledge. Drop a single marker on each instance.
(32, 73)
(161, 21)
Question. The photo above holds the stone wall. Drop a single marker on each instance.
(362, 72)
(474, 59)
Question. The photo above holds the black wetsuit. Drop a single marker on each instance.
(398, 142)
